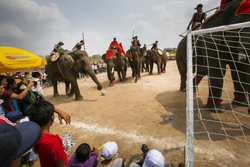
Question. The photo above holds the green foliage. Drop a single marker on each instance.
(95, 58)
(174, 50)
(170, 50)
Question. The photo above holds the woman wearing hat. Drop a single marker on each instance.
(197, 18)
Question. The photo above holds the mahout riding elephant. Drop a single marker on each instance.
(135, 55)
(158, 57)
(230, 53)
(60, 70)
(115, 62)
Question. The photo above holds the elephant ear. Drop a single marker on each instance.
(104, 58)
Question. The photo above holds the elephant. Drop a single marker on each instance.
(215, 74)
(135, 56)
(60, 70)
(115, 62)
(158, 57)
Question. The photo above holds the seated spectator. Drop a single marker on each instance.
(84, 157)
(14, 116)
(49, 148)
(38, 87)
(150, 158)
(17, 140)
(17, 117)
(11, 87)
(109, 151)
(6, 96)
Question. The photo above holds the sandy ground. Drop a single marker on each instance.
(135, 113)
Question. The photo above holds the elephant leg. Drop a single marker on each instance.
(215, 80)
(140, 66)
(159, 68)
(151, 68)
(119, 75)
(74, 86)
(239, 78)
(67, 88)
(54, 83)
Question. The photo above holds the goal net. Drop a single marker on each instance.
(218, 81)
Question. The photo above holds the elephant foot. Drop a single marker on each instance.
(240, 102)
(56, 95)
(164, 71)
(214, 105)
(150, 73)
(139, 77)
(70, 94)
(78, 98)
(159, 73)
(183, 89)
(124, 79)
(112, 83)
(99, 87)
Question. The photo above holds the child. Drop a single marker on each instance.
(49, 148)
(109, 150)
(84, 157)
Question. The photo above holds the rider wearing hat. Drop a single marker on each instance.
(58, 48)
(197, 18)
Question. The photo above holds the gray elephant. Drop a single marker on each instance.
(62, 70)
(115, 62)
(216, 75)
(135, 55)
(158, 57)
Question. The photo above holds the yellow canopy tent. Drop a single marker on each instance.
(15, 59)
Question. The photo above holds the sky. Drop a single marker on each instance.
(37, 25)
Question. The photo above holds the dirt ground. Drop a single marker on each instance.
(135, 113)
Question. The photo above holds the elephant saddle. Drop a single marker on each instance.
(110, 53)
(54, 56)
(160, 52)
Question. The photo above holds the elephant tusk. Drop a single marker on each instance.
(112, 70)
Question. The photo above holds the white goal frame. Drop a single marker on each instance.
(189, 148)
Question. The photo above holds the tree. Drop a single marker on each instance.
(95, 58)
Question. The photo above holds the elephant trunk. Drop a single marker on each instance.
(111, 72)
(94, 78)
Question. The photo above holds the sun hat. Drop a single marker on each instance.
(154, 158)
(61, 43)
(198, 6)
(109, 150)
(17, 140)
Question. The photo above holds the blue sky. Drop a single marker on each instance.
(36, 25)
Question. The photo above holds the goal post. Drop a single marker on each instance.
(217, 99)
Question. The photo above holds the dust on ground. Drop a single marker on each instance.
(131, 114)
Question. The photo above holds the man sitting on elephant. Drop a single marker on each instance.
(78, 46)
(197, 18)
(155, 46)
(135, 42)
(58, 47)
(114, 45)
(121, 47)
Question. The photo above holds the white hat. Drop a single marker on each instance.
(154, 158)
(109, 150)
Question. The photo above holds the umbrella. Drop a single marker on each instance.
(14, 59)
